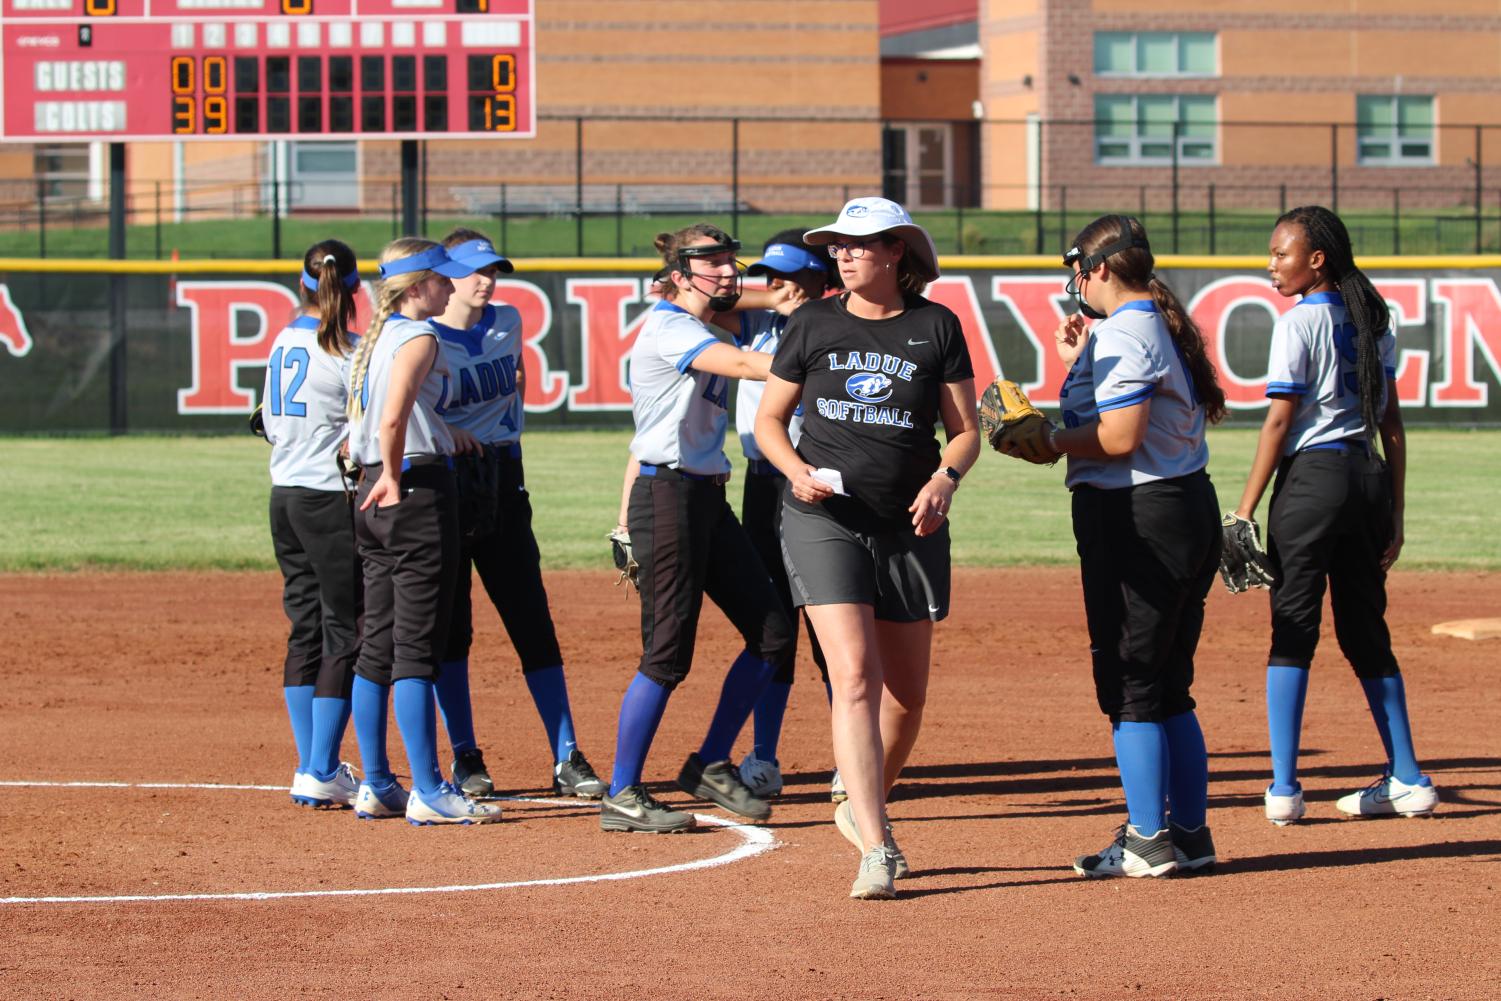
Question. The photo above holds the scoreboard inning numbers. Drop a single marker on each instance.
(265, 69)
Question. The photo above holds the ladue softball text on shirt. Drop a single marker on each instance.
(870, 385)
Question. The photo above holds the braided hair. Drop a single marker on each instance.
(1368, 310)
(388, 295)
(1135, 269)
(330, 262)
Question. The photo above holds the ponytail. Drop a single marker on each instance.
(1367, 308)
(329, 278)
(1190, 344)
(389, 292)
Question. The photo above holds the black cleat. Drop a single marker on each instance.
(1193, 849)
(469, 774)
(574, 777)
(633, 809)
(720, 782)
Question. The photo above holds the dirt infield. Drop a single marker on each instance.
(176, 679)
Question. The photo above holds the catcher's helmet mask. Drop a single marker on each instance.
(1074, 255)
(723, 301)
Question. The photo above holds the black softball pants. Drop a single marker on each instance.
(409, 550)
(1331, 519)
(689, 544)
(1147, 556)
(510, 568)
(312, 532)
(761, 516)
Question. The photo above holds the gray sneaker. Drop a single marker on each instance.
(633, 809)
(874, 881)
(573, 776)
(844, 819)
(720, 782)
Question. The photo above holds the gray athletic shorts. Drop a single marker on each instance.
(905, 578)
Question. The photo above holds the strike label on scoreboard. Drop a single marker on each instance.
(266, 69)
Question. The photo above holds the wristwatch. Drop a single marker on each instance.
(950, 472)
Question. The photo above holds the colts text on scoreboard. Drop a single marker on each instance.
(124, 70)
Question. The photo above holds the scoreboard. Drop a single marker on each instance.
(127, 70)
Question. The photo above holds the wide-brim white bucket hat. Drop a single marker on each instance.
(871, 215)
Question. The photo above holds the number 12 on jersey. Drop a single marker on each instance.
(287, 405)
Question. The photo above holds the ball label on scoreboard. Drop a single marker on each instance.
(124, 70)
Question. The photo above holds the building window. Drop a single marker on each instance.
(1394, 130)
(1138, 128)
(62, 169)
(1154, 53)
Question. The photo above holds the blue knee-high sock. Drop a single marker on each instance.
(1387, 698)
(550, 694)
(369, 702)
(743, 685)
(771, 707)
(452, 691)
(640, 713)
(418, 722)
(329, 719)
(1141, 755)
(300, 713)
(1188, 770)
(1286, 691)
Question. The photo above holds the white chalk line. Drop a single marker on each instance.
(754, 841)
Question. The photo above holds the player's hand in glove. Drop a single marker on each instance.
(1243, 563)
(258, 422)
(625, 558)
(1013, 426)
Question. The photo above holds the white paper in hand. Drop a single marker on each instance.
(831, 478)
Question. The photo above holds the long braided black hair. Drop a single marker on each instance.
(1368, 310)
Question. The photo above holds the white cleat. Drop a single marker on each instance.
(1284, 810)
(337, 793)
(1389, 797)
(762, 777)
(376, 804)
(448, 806)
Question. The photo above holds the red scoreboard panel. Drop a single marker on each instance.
(266, 69)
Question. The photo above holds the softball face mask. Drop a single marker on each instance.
(722, 301)
(1087, 264)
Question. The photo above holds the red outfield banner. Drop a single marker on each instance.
(196, 348)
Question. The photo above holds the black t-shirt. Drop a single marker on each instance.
(870, 400)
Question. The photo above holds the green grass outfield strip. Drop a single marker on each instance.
(261, 266)
(149, 503)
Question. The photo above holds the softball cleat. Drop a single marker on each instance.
(763, 777)
(448, 806)
(335, 793)
(1390, 797)
(1284, 810)
(1131, 854)
(375, 804)
(574, 776)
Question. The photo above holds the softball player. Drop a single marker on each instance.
(864, 532)
(1337, 508)
(686, 538)
(482, 402)
(795, 274)
(407, 530)
(302, 407)
(1139, 391)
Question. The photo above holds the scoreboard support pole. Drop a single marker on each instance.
(117, 290)
(410, 179)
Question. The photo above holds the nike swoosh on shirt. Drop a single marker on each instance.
(912, 344)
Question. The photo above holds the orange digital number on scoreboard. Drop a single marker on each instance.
(190, 105)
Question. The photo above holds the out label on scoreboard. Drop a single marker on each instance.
(126, 70)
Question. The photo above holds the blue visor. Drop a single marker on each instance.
(785, 259)
(434, 259)
(351, 281)
(479, 253)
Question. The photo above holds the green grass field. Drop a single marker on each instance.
(955, 232)
(145, 503)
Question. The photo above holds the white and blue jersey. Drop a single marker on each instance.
(1313, 357)
(1131, 358)
(303, 405)
(681, 414)
(427, 435)
(760, 330)
(479, 393)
